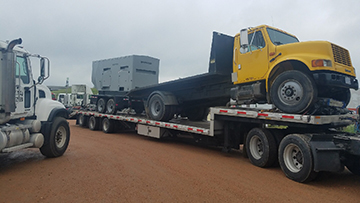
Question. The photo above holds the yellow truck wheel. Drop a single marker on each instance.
(293, 92)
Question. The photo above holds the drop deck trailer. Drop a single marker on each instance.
(303, 144)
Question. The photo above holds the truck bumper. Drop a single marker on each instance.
(335, 79)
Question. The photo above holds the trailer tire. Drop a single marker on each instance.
(261, 147)
(110, 106)
(56, 143)
(107, 125)
(82, 120)
(293, 92)
(100, 106)
(94, 123)
(353, 164)
(296, 159)
(158, 110)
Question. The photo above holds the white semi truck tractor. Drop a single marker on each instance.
(28, 115)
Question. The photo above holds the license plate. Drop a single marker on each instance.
(347, 80)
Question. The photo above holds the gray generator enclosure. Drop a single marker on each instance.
(125, 73)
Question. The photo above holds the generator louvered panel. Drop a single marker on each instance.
(341, 55)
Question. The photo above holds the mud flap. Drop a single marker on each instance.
(326, 156)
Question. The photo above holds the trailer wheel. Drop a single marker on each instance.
(110, 106)
(296, 159)
(94, 123)
(158, 110)
(82, 120)
(353, 164)
(261, 147)
(101, 105)
(107, 125)
(56, 143)
(293, 92)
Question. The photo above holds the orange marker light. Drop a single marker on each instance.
(317, 63)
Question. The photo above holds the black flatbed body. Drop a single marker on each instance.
(207, 89)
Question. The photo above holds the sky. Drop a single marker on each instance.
(72, 34)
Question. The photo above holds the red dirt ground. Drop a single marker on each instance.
(125, 167)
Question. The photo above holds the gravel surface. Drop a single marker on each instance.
(125, 167)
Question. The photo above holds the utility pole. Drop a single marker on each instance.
(66, 99)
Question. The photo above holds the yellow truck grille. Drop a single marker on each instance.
(341, 55)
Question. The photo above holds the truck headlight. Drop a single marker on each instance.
(321, 63)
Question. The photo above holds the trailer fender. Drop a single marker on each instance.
(168, 98)
(326, 155)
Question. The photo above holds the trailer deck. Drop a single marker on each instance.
(208, 128)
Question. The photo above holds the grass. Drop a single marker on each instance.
(349, 129)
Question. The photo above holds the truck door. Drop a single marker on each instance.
(24, 96)
(253, 62)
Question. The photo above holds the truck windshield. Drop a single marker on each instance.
(279, 38)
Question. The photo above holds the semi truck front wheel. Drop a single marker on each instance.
(56, 143)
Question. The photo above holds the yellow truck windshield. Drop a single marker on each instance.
(279, 38)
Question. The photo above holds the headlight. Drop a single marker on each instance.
(321, 63)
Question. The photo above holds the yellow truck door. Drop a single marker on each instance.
(252, 63)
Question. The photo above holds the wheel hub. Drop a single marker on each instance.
(293, 158)
(290, 92)
(156, 108)
(256, 147)
(60, 137)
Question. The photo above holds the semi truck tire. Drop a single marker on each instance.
(296, 159)
(261, 147)
(293, 92)
(56, 143)
(353, 164)
(110, 106)
(100, 106)
(94, 123)
(158, 110)
(107, 125)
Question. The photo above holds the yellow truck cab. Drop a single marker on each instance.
(271, 65)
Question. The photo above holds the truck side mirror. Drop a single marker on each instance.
(42, 67)
(244, 41)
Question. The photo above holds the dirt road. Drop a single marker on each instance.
(99, 167)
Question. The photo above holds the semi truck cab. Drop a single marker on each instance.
(28, 115)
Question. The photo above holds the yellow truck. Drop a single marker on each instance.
(257, 65)
(272, 65)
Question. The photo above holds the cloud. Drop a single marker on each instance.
(75, 33)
